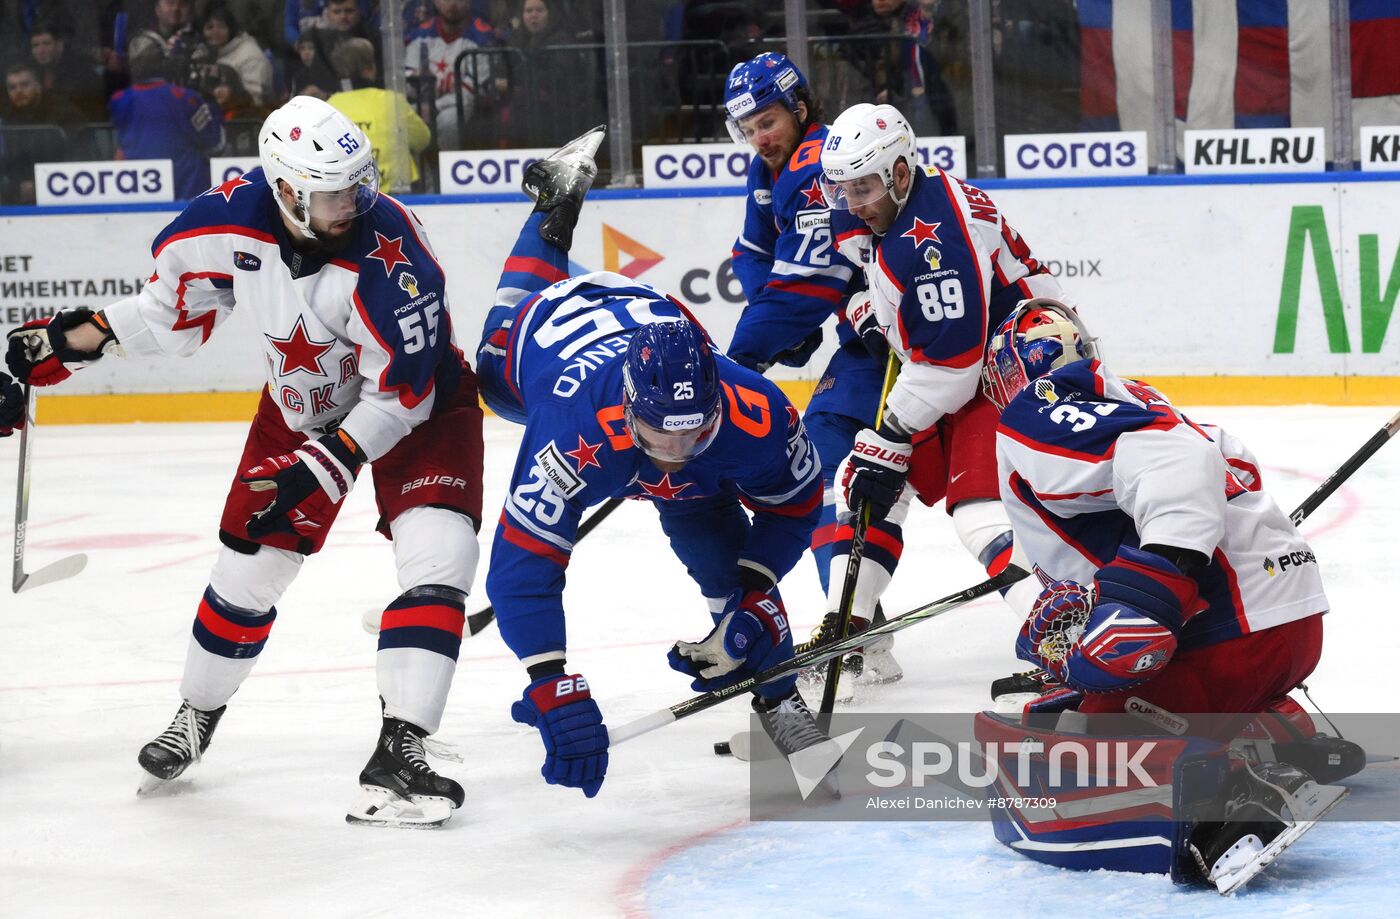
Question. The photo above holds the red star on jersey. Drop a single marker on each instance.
(299, 352)
(389, 251)
(922, 233)
(586, 455)
(814, 196)
(664, 489)
(228, 188)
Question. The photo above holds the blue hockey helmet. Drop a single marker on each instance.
(670, 390)
(755, 84)
(1040, 335)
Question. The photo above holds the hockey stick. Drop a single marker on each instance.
(813, 656)
(1345, 471)
(855, 556)
(478, 621)
(54, 571)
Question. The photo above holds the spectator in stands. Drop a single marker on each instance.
(302, 78)
(340, 20)
(303, 15)
(233, 98)
(430, 58)
(31, 131)
(394, 129)
(70, 75)
(931, 31)
(537, 114)
(156, 120)
(170, 33)
(232, 47)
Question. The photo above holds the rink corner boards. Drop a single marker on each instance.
(122, 408)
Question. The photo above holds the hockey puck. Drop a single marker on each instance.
(722, 748)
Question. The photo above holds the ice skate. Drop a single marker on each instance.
(1272, 806)
(558, 183)
(869, 665)
(179, 745)
(399, 788)
(794, 730)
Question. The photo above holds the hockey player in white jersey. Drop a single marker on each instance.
(362, 369)
(1170, 584)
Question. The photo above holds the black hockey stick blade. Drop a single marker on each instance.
(1345, 471)
(54, 571)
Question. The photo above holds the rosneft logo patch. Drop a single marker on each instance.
(1269, 567)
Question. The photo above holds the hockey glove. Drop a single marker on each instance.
(305, 482)
(799, 354)
(1055, 623)
(39, 354)
(1142, 601)
(571, 726)
(875, 472)
(752, 636)
(860, 312)
(11, 406)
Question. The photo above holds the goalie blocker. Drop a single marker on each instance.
(1154, 804)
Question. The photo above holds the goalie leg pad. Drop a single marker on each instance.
(1107, 814)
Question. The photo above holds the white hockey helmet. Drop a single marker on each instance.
(323, 156)
(864, 143)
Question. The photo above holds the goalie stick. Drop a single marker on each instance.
(817, 655)
(54, 571)
(478, 621)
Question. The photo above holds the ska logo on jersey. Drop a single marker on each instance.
(246, 261)
(408, 284)
(388, 252)
(299, 352)
(586, 455)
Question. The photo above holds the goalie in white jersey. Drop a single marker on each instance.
(361, 369)
(1173, 587)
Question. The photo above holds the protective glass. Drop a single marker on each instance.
(674, 446)
(853, 193)
(346, 203)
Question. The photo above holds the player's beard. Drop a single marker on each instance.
(329, 240)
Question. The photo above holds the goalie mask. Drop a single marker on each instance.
(670, 391)
(326, 160)
(1039, 336)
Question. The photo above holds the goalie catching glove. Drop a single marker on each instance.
(305, 482)
(1122, 634)
(39, 353)
(751, 636)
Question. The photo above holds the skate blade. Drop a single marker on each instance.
(880, 669)
(569, 170)
(381, 807)
(1321, 799)
(585, 146)
(814, 680)
(152, 786)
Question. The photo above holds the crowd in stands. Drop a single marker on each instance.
(186, 79)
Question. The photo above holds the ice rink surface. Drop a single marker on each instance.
(89, 670)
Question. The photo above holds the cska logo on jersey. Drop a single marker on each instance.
(922, 232)
(299, 352)
(408, 284)
(389, 252)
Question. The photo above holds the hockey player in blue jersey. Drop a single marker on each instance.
(350, 309)
(794, 279)
(622, 394)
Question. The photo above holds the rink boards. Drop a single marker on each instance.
(1220, 290)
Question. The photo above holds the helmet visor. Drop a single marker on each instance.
(346, 203)
(672, 446)
(849, 194)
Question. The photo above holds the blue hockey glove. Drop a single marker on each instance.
(304, 483)
(571, 726)
(752, 636)
(800, 353)
(874, 472)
